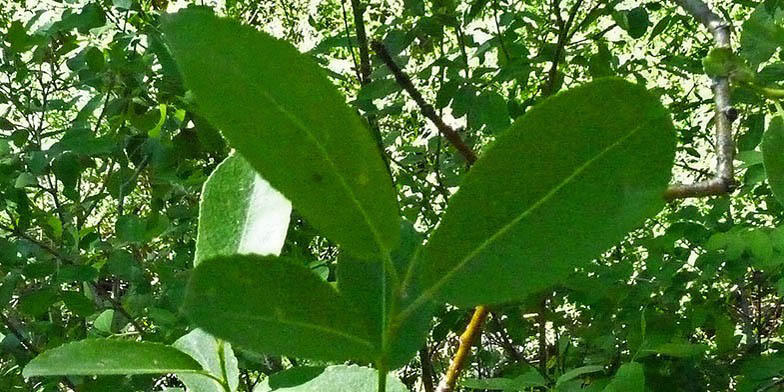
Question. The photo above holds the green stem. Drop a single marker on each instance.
(382, 378)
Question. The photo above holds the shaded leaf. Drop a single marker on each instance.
(276, 306)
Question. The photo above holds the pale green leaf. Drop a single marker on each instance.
(340, 379)
(762, 34)
(279, 110)
(240, 213)
(215, 356)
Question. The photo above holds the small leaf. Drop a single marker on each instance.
(240, 213)
(678, 350)
(279, 110)
(215, 356)
(773, 156)
(276, 306)
(78, 303)
(549, 195)
(571, 374)
(340, 379)
(529, 379)
(722, 62)
(110, 356)
(629, 378)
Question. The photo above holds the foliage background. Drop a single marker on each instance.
(102, 160)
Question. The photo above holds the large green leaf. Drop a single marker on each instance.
(773, 156)
(279, 110)
(215, 356)
(240, 213)
(339, 379)
(111, 356)
(565, 182)
(276, 306)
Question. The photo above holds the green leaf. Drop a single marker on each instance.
(279, 110)
(722, 62)
(215, 356)
(773, 156)
(130, 228)
(571, 374)
(529, 379)
(276, 306)
(105, 321)
(762, 34)
(629, 378)
(340, 379)
(240, 213)
(634, 21)
(78, 303)
(678, 350)
(110, 356)
(548, 195)
(37, 302)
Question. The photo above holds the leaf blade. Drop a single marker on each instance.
(500, 231)
(107, 357)
(277, 306)
(290, 136)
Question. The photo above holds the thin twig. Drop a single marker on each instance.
(405, 82)
(362, 41)
(427, 369)
(723, 182)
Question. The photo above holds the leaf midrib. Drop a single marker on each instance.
(430, 292)
(298, 124)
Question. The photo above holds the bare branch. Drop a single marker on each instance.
(724, 181)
